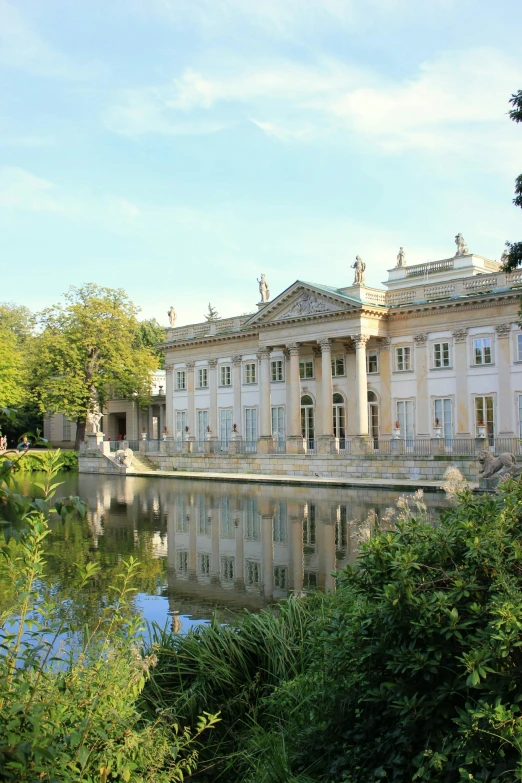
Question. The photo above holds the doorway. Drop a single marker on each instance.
(307, 420)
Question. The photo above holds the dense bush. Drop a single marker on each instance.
(411, 671)
(34, 461)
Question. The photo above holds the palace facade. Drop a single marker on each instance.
(437, 353)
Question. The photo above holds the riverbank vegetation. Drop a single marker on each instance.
(412, 670)
(35, 461)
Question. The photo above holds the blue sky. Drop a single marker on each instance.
(179, 148)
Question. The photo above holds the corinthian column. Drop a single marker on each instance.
(361, 385)
(460, 337)
(326, 441)
(191, 421)
(295, 442)
(265, 432)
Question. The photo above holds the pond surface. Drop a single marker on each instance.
(206, 545)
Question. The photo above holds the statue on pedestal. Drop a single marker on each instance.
(462, 248)
(264, 289)
(172, 317)
(401, 258)
(94, 417)
(359, 267)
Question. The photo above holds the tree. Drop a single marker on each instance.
(212, 314)
(151, 334)
(89, 351)
(512, 256)
(13, 386)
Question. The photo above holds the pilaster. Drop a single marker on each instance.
(326, 444)
(460, 337)
(264, 396)
(238, 419)
(385, 376)
(169, 399)
(505, 412)
(423, 422)
(294, 423)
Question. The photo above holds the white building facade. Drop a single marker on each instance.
(436, 354)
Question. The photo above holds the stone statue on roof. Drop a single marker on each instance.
(401, 258)
(172, 317)
(359, 267)
(462, 248)
(264, 289)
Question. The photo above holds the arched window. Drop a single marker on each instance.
(338, 399)
(372, 397)
(306, 400)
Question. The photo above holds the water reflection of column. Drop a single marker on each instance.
(267, 546)
(214, 559)
(295, 546)
(240, 548)
(171, 539)
(192, 553)
(328, 517)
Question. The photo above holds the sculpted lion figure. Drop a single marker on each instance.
(504, 464)
(124, 457)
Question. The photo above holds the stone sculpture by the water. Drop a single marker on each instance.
(503, 465)
(124, 457)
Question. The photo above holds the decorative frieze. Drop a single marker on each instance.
(360, 340)
(190, 365)
(237, 360)
(503, 330)
(263, 353)
(460, 335)
(384, 343)
(420, 339)
(212, 363)
(293, 349)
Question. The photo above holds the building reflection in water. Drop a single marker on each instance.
(236, 545)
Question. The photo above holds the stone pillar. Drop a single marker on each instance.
(150, 412)
(169, 400)
(327, 440)
(295, 441)
(423, 415)
(351, 391)
(161, 423)
(361, 384)
(504, 427)
(213, 418)
(236, 380)
(265, 430)
(460, 337)
(385, 411)
(191, 419)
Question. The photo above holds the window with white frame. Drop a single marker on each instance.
(338, 366)
(482, 351)
(403, 358)
(372, 362)
(203, 425)
(204, 564)
(181, 424)
(277, 371)
(278, 422)
(281, 577)
(443, 416)
(181, 380)
(225, 375)
(441, 355)
(250, 372)
(485, 415)
(252, 573)
(202, 378)
(228, 568)
(405, 418)
(306, 368)
(251, 424)
(519, 347)
(66, 430)
(182, 561)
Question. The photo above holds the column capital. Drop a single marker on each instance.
(420, 339)
(503, 330)
(384, 343)
(460, 335)
(325, 344)
(190, 365)
(263, 353)
(293, 349)
(212, 363)
(237, 360)
(169, 369)
(360, 340)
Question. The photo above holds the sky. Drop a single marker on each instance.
(179, 148)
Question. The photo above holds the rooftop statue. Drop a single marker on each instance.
(172, 317)
(462, 248)
(264, 289)
(401, 258)
(359, 267)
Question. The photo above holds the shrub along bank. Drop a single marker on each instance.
(411, 671)
(34, 461)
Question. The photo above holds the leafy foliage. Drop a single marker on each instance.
(150, 335)
(32, 461)
(512, 256)
(212, 314)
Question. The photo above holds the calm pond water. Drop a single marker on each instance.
(206, 545)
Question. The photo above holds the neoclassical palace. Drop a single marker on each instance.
(436, 354)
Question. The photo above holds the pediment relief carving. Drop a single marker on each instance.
(308, 303)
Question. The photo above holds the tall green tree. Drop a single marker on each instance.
(13, 380)
(151, 334)
(512, 256)
(90, 350)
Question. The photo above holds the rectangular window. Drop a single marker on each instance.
(403, 358)
(182, 561)
(372, 362)
(519, 347)
(278, 423)
(203, 517)
(225, 375)
(225, 425)
(280, 524)
(443, 416)
(180, 380)
(405, 418)
(277, 372)
(202, 378)
(227, 568)
(252, 520)
(251, 424)
(227, 524)
(202, 418)
(250, 372)
(204, 565)
(306, 368)
(337, 366)
(482, 350)
(181, 423)
(281, 577)
(66, 431)
(252, 572)
(441, 355)
(484, 415)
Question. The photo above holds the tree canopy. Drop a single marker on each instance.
(90, 349)
(512, 256)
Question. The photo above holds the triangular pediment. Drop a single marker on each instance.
(303, 300)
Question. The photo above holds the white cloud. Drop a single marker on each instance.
(22, 190)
